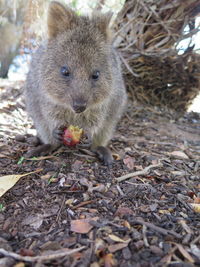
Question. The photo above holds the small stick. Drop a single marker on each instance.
(127, 66)
(120, 190)
(54, 255)
(137, 173)
(185, 227)
(144, 232)
(158, 229)
(184, 203)
(59, 212)
(84, 203)
(195, 240)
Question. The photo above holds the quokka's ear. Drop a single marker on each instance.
(102, 22)
(60, 18)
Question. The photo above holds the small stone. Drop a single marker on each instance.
(126, 253)
(4, 244)
(7, 262)
(139, 244)
(156, 250)
(136, 235)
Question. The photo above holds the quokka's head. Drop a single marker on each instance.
(77, 65)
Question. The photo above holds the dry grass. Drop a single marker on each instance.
(147, 35)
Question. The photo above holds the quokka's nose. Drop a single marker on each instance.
(79, 105)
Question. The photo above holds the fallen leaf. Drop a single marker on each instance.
(116, 156)
(179, 154)
(82, 226)
(116, 247)
(34, 220)
(94, 264)
(45, 177)
(91, 187)
(99, 188)
(26, 252)
(109, 260)
(129, 162)
(195, 250)
(50, 245)
(76, 165)
(8, 181)
(121, 211)
(20, 264)
(118, 239)
(196, 207)
(185, 254)
(197, 200)
(86, 182)
(69, 201)
(99, 245)
(127, 224)
(164, 211)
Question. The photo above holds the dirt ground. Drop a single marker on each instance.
(73, 211)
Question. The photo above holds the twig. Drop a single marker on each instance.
(144, 232)
(195, 240)
(84, 203)
(188, 207)
(145, 171)
(127, 66)
(158, 229)
(59, 212)
(54, 255)
(185, 227)
(120, 191)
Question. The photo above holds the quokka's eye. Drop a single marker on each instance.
(65, 71)
(95, 75)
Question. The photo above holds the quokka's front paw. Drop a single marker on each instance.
(85, 141)
(58, 133)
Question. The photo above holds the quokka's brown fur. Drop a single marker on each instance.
(84, 46)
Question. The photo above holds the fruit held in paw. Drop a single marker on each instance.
(72, 135)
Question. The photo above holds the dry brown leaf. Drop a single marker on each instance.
(98, 188)
(129, 162)
(197, 200)
(69, 201)
(116, 247)
(116, 156)
(8, 181)
(196, 207)
(121, 211)
(178, 154)
(76, 165)
(20, 264)
(82, 226)
(45, 177)
(109, 260)
(164, 211)
(127, 224)
(185, 254)
(118, 239)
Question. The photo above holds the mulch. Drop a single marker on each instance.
(73, 211)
